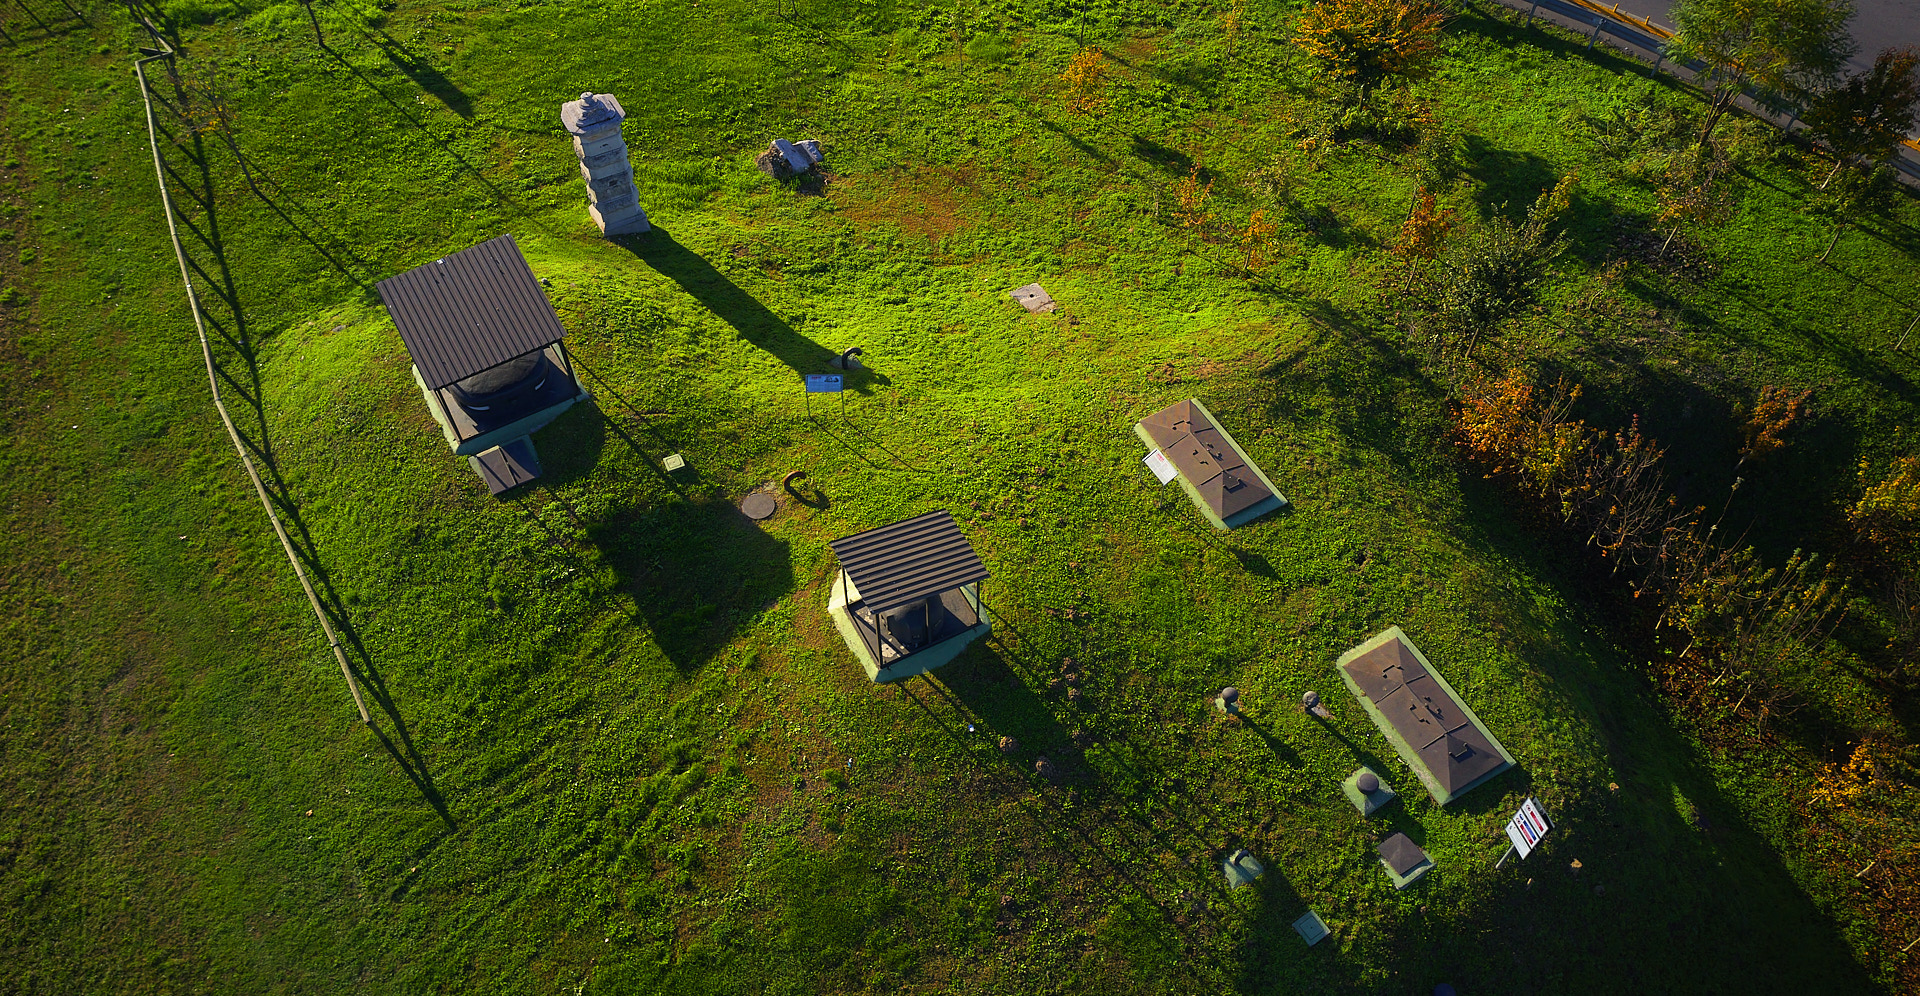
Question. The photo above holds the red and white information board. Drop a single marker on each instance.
(1527, 827)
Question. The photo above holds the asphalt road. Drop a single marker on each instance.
(1877, 24)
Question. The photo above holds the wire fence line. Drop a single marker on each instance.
(162, 51)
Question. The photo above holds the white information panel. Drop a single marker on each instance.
(1527, 827)
(1162, 467)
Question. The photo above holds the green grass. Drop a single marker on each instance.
(659, 768)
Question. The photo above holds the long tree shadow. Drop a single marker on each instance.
(755, 323)
(422, 73)
(1073, 840)
(54, 27)
(499, 195)
(1182, 899)
(1505, 182)
(1151, 831)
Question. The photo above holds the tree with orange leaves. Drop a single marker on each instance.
(1775, 412)
(1422, 233)
(1257, 240)
(1191, 198)
(1086, 80)
(1367, 42)
(1888, 512)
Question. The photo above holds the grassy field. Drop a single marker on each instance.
(618, 746)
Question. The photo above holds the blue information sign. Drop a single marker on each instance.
(825, 383)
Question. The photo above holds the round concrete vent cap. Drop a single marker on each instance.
(758, 506)
(1367, 782)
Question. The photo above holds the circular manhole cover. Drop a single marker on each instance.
(758, 505)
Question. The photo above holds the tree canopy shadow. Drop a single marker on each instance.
(1668, 858)
(422, 73)
(1506, 182)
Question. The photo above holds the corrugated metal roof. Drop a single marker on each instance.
(907, 561)
(475, 309)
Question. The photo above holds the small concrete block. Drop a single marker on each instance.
(1034, 298)
(1242, 868)
(1404, 860)
(1311, 928)
(795, 158)
(1366, 802)
(673, 462)
(506, 466)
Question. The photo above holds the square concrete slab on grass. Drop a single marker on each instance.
(1404, 860)
(1367, 802)
(507, 466)
(1242, 868)
(1311, 928)
(1034, 298)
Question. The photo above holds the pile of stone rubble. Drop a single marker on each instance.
(786, 160)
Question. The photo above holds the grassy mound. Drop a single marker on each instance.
(619, 747)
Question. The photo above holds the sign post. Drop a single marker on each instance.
(1525, 830)
(826, 384)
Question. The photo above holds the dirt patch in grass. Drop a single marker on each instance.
(930, 202)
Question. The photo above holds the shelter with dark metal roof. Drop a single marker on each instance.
(487, 350)
(1445, 744)
(1212, 468)
(907, 595)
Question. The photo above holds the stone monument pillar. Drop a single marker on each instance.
(594, 120)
